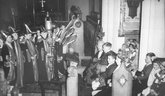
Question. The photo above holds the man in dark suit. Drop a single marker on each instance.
(90, 70)
(99, 54)
(141, 78)
(105, 87)
(107, 48)
(19, 60)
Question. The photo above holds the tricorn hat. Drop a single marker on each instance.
(11, 29)
(28, 30)
(5, 34)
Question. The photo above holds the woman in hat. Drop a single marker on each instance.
(9, 58)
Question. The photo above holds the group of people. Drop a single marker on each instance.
(148, 82)
(29, 57)
(151, 80)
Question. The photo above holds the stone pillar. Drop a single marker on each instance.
(110, 23)
(152, 37)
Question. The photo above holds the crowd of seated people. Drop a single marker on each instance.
(141, 77)
(98, 64)
(102, 83)
(148, 82)
(151, 80)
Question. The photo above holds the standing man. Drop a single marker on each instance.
(41, 60)
(33, 55)
(19, 60)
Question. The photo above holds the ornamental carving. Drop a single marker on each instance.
(129, 17)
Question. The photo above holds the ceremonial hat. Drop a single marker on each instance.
(70, 39)
(28, 30)
(5, 34)
(11, 29)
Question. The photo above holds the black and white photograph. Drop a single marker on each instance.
(82, 47)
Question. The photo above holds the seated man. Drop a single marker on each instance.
(107, 48)
(102, 84)
(152, 77)
(99, 63)
(158, 86)
(99, 53)
(141, 78)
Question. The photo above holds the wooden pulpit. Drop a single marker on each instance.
(122, 82)
(78, 45)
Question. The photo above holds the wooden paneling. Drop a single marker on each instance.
(90, 27)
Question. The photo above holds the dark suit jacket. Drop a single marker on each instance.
(143, 78)
(104, 59)
(108, 75)
(145, 72)
(109, 71)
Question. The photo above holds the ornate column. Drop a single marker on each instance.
(152, 29)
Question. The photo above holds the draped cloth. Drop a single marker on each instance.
(41, 61)
(28, 74)
(33, 55)
(20, 65)
(49, 60)
(11, 64)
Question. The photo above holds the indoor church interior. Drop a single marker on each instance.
(82, 47)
